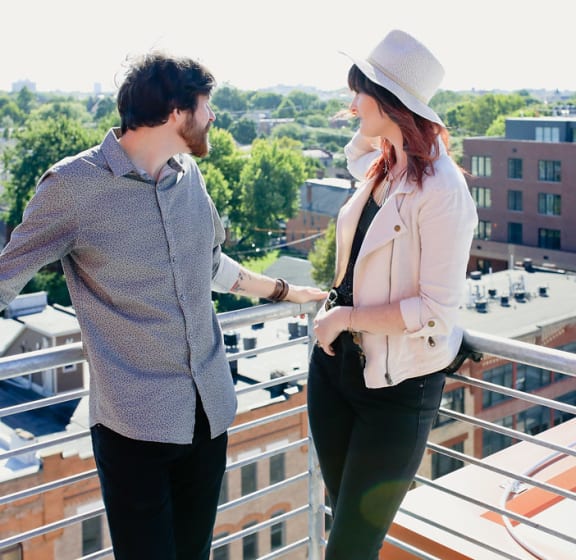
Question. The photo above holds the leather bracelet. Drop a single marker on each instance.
(280, 290)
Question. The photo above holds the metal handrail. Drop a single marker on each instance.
(521, 352)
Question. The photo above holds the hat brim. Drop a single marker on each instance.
(409, 100)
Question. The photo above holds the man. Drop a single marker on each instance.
(139, 239)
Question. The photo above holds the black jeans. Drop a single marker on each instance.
(369, 442)
(160, 498)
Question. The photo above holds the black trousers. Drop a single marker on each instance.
(160, 498)
(370, 443)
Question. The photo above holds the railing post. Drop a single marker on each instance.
(316, 484)
(316, 505)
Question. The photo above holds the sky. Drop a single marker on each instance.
(70, 45)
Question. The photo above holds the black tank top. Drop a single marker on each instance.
(345, 290)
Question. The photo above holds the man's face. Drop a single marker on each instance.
(195, 129)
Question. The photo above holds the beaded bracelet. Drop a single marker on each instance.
(280, 290)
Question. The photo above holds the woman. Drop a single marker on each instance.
(389, 327)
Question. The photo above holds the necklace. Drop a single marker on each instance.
(384, 191)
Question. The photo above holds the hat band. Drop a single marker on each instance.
(396, 80)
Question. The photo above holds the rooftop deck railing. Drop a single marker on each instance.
(314, 510)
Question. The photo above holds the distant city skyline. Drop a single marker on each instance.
(66, 46)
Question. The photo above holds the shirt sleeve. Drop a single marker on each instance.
(360, 152)
(447, 219)
(47, 233)
(226, 274)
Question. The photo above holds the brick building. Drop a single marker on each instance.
(524, 185)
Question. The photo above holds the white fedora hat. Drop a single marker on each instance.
(404, 66)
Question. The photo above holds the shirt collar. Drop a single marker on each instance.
(120, 164)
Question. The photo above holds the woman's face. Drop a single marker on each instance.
(373, 122)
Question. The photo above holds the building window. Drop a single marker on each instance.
(277, 537)
(481, 166)
(547, 134)
(515, 201)
(501, 375)
(223, 498)
(515, 233)
(549, 204)
(531, 378)
(494, 441)
(452, 400)
(91, 535)
(514, 168)
(483, 230)
(248, 476)
(534, 420)
(484, 265)
(444, 464)
(548, 238)
(11, 553)
(562, 415)
(482, 196)
(250, 544)
(549, 170)
(277, 468)
(221, 552)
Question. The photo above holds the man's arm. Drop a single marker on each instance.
(233, 277)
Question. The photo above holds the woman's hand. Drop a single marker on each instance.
(329, 324)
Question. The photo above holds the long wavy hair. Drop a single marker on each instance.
(420, 135)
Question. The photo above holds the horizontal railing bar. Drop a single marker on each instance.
(520, 395)
(464, 536)
(266, 420)
(282, 551)
(44, 444)
(43, 402)
(105, 552)
(504, 472)
(39, 360)
(508, 432)
(256, 527)
(264, 349)
(48, 528)
(408, 548)
(266, 454)
(272, 383)
(523, 352)
(266, 312)
(496, 509)
(263, 492)
(27, 493)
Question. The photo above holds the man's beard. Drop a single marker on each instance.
(196, 139)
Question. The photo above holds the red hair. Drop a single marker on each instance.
(420, 135)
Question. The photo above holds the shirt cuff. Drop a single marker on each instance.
(226, 275)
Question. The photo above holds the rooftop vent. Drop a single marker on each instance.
(26, 304)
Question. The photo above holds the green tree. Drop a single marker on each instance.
(230, 99)
(286, 109)
(62, 108)
(323, 257)
(270, 182)
(244, 130)
(25, 100)
(39, 145)
(304, 102)
(264, 100)
(225, 156)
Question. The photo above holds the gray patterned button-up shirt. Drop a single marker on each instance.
(140, 260)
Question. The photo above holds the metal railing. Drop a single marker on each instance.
(315, 509)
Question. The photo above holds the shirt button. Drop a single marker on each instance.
(431, 323)
(396, 228)
(173, 259)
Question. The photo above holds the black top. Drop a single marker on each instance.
(345, 289)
